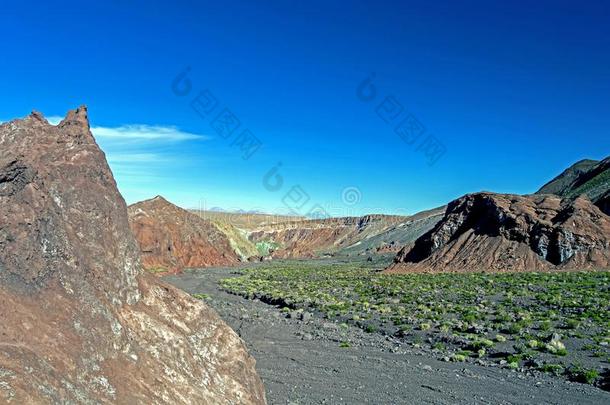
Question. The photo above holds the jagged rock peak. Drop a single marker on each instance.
(37, 115)
(77, 117)
(159, 199)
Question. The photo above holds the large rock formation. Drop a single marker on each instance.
(590, 178)
(171, 238)
(79, 322)
(497, 232)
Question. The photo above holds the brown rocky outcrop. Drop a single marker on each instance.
(497, 232)
(80, 323)
(171, 238)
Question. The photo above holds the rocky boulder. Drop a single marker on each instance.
(171, 238)
(80, 322)
(497, 232)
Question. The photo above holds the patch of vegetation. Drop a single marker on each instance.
(459, 357)
(556, 369)
(265, 248)
(481, 344)
(555, 346)
(201, 296)
(157, 270)
(582, 375)
(370, 328)
(527, 319)
(592, 186)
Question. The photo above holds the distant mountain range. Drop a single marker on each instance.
(238, 211)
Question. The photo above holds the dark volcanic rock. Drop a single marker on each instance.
(486, 231)
(172, 238)
(80, 322)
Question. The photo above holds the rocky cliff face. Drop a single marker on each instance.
(171, 238)
(80, 322)
(486, 231)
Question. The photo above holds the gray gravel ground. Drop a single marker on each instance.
(301, 361)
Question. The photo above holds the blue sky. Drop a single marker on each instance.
(512, 92)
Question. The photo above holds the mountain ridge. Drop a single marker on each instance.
(586, 177)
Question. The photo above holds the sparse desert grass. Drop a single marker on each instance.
(544, 321)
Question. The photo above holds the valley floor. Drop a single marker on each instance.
(301, 361)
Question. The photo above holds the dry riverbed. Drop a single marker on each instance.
(304, 359)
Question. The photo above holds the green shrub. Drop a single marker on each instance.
(458, 357)
(556, 369)
(533, 344)
(369, 328)
(439, 346)
(579, 374)
(425, 326)
(481, 344)
(545, 325)
(556, 347)
(513, 328)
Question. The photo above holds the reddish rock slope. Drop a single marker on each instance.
(171, 238)
(80, 323)
(497, 232)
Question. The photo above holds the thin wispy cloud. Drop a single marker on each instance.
(140, 132)
(136, 158)
(146, 133)
(54, 119)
